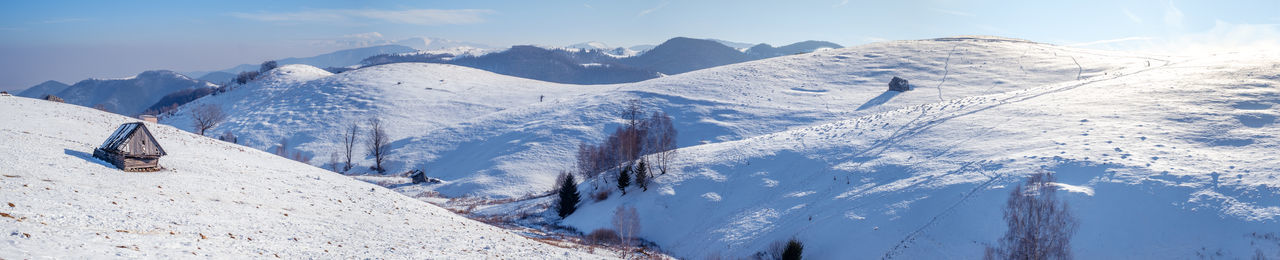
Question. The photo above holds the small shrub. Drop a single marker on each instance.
(794, 250)
(228, 137)
(267, 66)
(602, 236)
(602, 195)
(782, 250)
(53, 98)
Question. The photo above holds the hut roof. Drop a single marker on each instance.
(119, 140)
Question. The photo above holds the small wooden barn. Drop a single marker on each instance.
(131, 148)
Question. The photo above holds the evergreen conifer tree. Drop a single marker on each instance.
(642, 175)
(569, 196)
(624, 179)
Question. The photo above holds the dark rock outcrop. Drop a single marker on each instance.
(899, 84)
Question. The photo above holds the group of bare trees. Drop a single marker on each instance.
(208, 116)
(282, 150)
(377, 144)
(649, 139)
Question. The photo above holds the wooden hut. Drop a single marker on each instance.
(131, 148)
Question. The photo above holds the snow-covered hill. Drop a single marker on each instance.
(213, 199)
(488, 134)
(1175, 160)
(1163, 157)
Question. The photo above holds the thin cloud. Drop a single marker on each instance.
(656, 8)
(412, 16)
(1223, 37)
(1132, 17)
(842, 3)
(953, 12)
(64, 20)
(368, 35)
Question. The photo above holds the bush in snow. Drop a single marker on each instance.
(793, 251)
(567, 201)
(602, 236)
(228, 137)
(246, 77)
(782, 249)
(1040, 224)
(624, 179)
(267, 66)
(53, 98)
(602, 195)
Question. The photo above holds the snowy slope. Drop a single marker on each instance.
(1167, 157)
(213, 199)
(1169, 161)
(488, 135)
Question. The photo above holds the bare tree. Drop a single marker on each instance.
(206, 116)
(662, 140)
(627, 223)
(333, 161)
(282, 150)
(299, 156)
(631, 112)
(1040, 224)
(349, 145)
(377, 143)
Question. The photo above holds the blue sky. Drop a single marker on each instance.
(73, 40)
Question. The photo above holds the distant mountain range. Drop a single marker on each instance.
(340, 58)
(597, 63)
(762, 50)
(584, 63)
(126, 96)
(48, 87)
